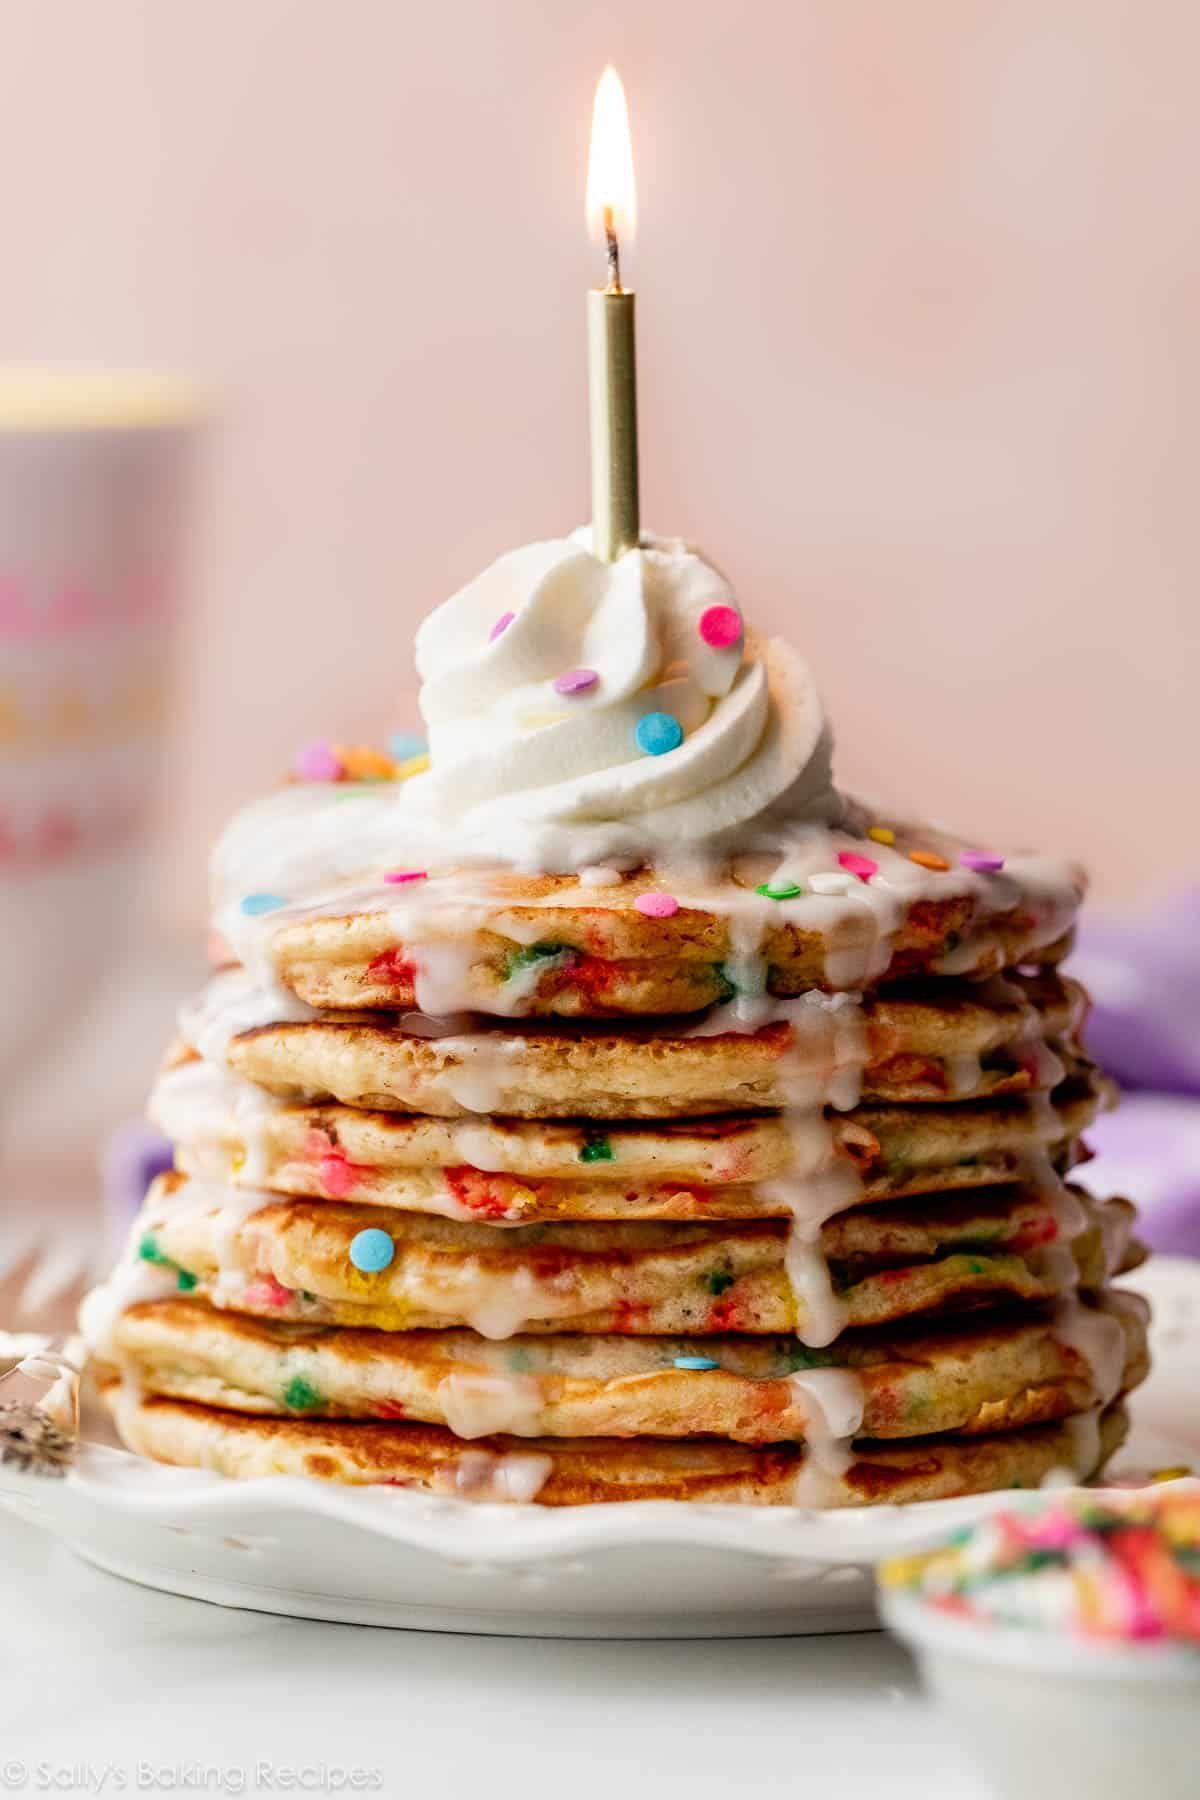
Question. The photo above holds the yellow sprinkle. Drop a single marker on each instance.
(537, 721)
(238, 1161)
(882, 834)
(1175, 1474)
(415, 765)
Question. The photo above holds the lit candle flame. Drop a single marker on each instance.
(611, 194)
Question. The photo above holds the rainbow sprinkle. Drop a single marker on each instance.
(657, 733)
(882, 834)
(720, 626)
(696, 1362)
(854, 864)
(656, 906)
(399, 877)
(254, 904)
(779, 890)
(403, 746)
(318, 762)
(372, 1250)
(362, 762)
(575, 681)
(501, 626)
(1123, 1568)
(981, 861)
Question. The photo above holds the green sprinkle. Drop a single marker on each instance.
(596, 1150)
(149, 1251)
(185, 1282)
(301, 1396)
(718, 1281)
(976, 1267)
(518, 960)
(779, 890)
(519, 1361)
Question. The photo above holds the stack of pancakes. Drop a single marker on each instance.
(747, 1184)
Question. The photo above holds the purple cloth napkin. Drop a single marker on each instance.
(1150, 1150)
(1143, 973)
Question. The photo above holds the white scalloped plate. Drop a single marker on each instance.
(387, 1557)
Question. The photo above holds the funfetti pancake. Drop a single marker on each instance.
(521, 1171)
(952, 1041)
(309, 1260)
(584, 1471)
(968, 1378)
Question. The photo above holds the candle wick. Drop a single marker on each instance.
(614, 252)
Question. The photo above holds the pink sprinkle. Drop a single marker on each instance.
(657, 906)
(575, 681)
(501, 626)
(720, 626)
(398, 877)
(981, 861)
(862, 866)
(337, 1176)
(318, 762)
(267, 1292)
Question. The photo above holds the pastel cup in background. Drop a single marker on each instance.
(1064, 1642)
(94, 489)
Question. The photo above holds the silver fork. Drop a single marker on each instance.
(40, 1369)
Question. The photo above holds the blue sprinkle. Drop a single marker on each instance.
(696, 1362)
(254, 904)
(658, 732)
(372, 1250)
(404, 745)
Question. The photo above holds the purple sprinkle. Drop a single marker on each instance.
(502, 624)
(318, 762)
(575, 681)
(981, 862)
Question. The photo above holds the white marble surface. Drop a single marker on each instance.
(98, 1676)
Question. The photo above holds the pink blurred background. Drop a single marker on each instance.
(919, 348)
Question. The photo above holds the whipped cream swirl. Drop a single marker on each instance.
(524, 773)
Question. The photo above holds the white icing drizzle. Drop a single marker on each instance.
(1099, 1338)
(233, 1001)
(822, 1316)
(480, 1404)
(487, 1149)
(1054, 1265)
(483, 1077)
(129, 1283)
(1083, 1437)
(832, 1403)
(964, 1071)
(518, 1475)
(499, 1308)
(598, 876)
(196, 1103)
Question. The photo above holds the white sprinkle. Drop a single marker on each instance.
(830, 882)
